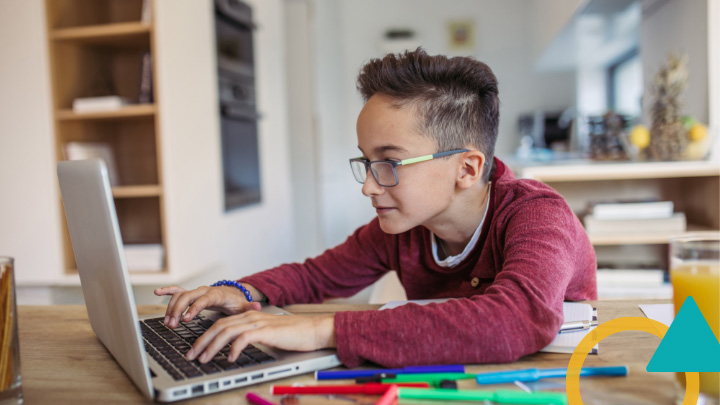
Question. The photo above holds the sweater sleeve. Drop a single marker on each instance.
(519, 314)
(338, 272)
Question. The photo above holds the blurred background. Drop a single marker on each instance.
(227, 125)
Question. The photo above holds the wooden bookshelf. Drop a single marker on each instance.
(641, 238)
(96, 49)
(107, 34)
(136, 191)
(693, 187)
(126, 112)
(592, 171)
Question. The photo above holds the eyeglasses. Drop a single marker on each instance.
(385, 171)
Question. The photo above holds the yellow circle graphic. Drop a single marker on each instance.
(572, 380)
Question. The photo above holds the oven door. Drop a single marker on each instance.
(240, 156)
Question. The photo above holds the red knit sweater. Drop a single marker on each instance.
(532, 254)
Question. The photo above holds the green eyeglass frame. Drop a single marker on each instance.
(379, 168)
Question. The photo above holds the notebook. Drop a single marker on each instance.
(567, 342)
(563, 342)
(142, 345)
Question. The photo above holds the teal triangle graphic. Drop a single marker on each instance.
(688, 345)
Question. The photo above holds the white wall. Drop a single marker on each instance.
(349, 33)
(714, 72)
(678, 26)
(29, 196)
(302, 134)
(186, 93)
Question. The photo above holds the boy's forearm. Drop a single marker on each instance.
(326, 332)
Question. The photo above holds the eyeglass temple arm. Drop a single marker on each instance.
(433, 156)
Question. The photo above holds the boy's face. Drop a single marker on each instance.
(426, 189)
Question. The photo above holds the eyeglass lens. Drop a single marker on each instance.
(382, 171)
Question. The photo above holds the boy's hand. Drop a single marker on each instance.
(291, 332)
(228, 300)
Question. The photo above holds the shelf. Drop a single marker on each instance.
(559, 172)
(640, 239)
(137, 278)
(137, 191)
(127, 112)
(118, 34)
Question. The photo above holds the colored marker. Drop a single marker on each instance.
(352, 374)
(389, 397)
(534, 374)
(257, 400)
(433, 379)
(367, 389)
(499, 396)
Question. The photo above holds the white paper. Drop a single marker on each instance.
(663, 313)
(395, 304)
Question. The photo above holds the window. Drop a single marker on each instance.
(625, 85)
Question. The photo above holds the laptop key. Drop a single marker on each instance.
(210, 368)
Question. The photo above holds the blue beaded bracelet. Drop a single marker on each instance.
(231, 283)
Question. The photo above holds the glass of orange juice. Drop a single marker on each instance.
(695, 271)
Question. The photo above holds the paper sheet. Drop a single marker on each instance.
(395, 304)
(663, 313)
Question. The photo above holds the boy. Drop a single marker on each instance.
(451, 219)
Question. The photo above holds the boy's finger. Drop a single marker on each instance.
(169, 290)
(181, 304)
(220, 338)
(201, 303)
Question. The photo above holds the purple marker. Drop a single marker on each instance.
(353, 374)
(257, 400)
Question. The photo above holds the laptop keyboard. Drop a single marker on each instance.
(168, 347)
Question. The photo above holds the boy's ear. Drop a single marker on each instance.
(471, 168)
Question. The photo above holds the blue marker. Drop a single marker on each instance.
(352, 374)
(534, 374)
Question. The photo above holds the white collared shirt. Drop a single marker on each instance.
(452, 261)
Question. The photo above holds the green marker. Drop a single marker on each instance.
(431, 378)
(499, 396)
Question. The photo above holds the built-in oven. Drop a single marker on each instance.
(238, 111)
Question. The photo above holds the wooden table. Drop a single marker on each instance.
(62, 361)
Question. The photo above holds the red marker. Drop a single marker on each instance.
(367, 389)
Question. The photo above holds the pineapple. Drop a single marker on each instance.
(668, 137)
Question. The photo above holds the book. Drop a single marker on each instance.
(632, 210)
(145, 95)
(99, 104)
(144, 257)
(630, 277)
(619, 292)
(567, 342)
(146, 13)
(94, 150)
(677, 223)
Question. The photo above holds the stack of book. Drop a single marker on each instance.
(145, 257)
(633, 217)
(632, 283)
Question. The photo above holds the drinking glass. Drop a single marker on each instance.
(695, 271)
(10, 381)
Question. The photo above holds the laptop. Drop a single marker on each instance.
(152, 355)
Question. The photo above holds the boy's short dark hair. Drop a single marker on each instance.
(456, 98)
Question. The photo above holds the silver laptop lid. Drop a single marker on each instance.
(95, 235)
